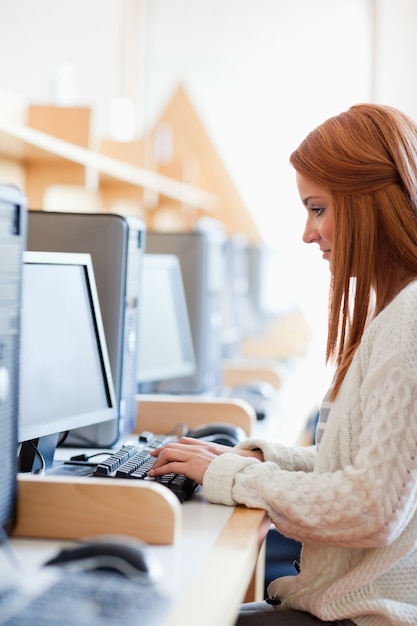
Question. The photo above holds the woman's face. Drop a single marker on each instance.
(319, 224)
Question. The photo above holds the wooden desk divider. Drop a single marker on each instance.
(240, 372)
(160, 413)
(61, 507)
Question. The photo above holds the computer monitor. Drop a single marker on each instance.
(116, 245)
(269, 293)
(201, 260)
(165, 343)
(65, 376)
(239, 317)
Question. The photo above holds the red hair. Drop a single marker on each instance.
(367, 158)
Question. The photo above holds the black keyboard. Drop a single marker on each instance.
(84, 599)
(134, 461)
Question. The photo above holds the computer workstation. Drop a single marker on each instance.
(66, 384)
(215, 274)
(166, 353)
(61, 507)
(66, 379)
(52, 508)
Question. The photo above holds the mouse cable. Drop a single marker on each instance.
(83, 459)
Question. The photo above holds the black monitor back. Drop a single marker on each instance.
(116, 247)
(12, 243)
(201, 259)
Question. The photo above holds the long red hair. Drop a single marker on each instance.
(367, 158)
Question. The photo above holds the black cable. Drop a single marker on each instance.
(63, 436)
(41, 469)
(83, 459)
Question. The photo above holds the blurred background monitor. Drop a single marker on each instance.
(200, 254)
(269, 291)
(239, 318)
(65, 376)
(165, 343)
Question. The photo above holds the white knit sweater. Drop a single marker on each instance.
(352, 503)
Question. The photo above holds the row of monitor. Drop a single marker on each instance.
(101, 321)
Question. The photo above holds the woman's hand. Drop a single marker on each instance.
(183, 458)
(192, 457)
(214, 448)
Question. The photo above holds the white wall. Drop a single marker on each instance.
(261, 74)
(37, 37)
(395, 54)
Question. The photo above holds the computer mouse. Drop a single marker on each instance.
(260, 388)
(126, 556)
(218, 432)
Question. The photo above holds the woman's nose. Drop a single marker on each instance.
(310, 233)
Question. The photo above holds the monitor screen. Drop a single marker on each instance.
(65, 377)
(269, 286)
(201, 259)
(239, 321)
(165, 344)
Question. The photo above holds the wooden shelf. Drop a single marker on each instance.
(26, 145)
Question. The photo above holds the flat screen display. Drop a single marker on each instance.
(165, 348)
(200, 258)
(65, 379)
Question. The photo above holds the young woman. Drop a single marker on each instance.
(351, 499)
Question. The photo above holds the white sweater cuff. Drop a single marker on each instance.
(219, 477)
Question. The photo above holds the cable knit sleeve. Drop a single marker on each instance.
(287, 457)
(363, 490)
(218, 480)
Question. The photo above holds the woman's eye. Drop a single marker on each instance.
(317, 210)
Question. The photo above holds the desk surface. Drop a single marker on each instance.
(213, 539)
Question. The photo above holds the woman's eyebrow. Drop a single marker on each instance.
(310, 198)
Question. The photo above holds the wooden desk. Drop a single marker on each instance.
(206, 572)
